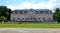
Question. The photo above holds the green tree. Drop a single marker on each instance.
(4, 11)
(57, 14)
(9, 14)
(2, 18)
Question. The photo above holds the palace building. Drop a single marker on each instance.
(32, 15)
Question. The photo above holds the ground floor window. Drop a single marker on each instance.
(44, 19)
(32, 19)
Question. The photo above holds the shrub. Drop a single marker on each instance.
(2, 18)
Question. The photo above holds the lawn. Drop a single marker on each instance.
(29, 25)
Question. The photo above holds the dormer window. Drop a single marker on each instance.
(25, 12)
(50, 11)
(46, 12)
(13, 12)
(21, 12)
(41, 11)
(37, 12)
(16, 12)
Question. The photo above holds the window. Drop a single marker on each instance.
(34, 18)
(13, 12)
(30, 18)
(36, 12)
(26, 19)
(46, 11)
(30, 12)
(49, 18)
(23, 19)
(16, 12)
(38, 18)
(25, 11)
(13, 18)
(21, 12)
(44, 19)
(50, 11)
(18, 18)
(41, 11)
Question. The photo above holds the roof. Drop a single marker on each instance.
(32, 9)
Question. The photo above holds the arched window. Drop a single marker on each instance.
(44, 18)
(49, 18)
(13, 18)
(18, 18)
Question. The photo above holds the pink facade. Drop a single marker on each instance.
(39, 17)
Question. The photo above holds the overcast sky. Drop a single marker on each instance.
(31, 4)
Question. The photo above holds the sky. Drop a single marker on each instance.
(31, 4)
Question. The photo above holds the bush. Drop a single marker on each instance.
(2, 18)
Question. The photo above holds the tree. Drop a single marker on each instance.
(2, 19)
(57, 14)
(9, 14)
(4, 11)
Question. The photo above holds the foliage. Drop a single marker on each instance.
(57, 15)
(4, 11)
(2, 18)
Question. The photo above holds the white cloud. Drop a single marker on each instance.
(25, 5)
(42, 5)
(52, 1)
(11, 7)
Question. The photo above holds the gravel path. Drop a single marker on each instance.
(29, 30)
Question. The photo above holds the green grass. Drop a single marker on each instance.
(29, 25)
